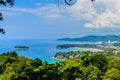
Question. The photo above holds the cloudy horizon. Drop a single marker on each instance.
(45, 19)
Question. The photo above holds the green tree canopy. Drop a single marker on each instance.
(112, 74)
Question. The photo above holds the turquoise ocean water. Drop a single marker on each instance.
(43, 49)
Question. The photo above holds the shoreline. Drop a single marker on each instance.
(87, 49)
(84, 49)
(58, 59)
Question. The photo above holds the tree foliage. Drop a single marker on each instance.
(71, 2)
(112, 74)
(14, 67)
(5, 3)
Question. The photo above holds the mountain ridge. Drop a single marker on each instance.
(93, 38)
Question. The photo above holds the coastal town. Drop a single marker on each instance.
(115, 45)
(107, 48)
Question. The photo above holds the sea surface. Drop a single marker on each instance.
(38, 48)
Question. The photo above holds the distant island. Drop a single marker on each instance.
(21, 47)
(93, 38)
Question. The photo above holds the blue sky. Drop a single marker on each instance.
(44, 19)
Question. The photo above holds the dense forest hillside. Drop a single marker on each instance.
(85, 67)
(93, 38)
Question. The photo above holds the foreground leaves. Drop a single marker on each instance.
(86, 67)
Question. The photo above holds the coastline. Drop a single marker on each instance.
(58, 59)
(61, 58)
(87, 49)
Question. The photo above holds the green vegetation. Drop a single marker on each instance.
(85, 67)
(102, 47)
(93, 38)
(117, 44)
(77, 54)
(77, 45)
(21, 47)
(67, 55)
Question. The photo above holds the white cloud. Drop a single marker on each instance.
(97, 14)
(83, 9)
(109, 17)
(106, 19)
(50, 10)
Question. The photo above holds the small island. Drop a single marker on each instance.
(21, 48)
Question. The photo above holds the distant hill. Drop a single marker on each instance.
(93, 38)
